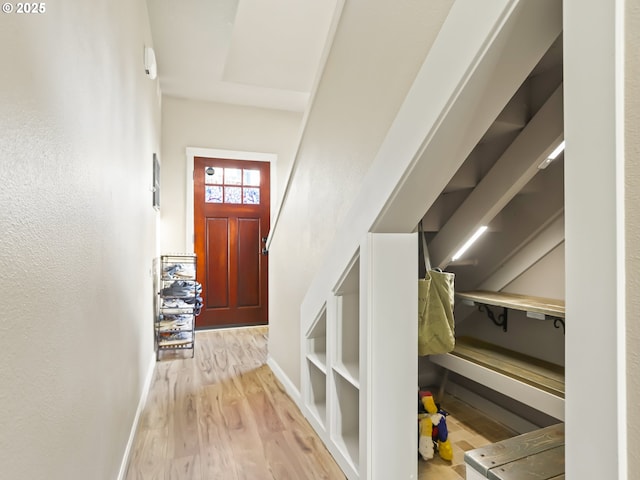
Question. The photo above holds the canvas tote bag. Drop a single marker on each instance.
(436, 331)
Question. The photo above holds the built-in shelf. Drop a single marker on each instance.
(348, 324)
(535, 307)
(315, 367)
(317, 341)
(349, 372)
(350, 282)
(526, 303)
(346, 432)
(317, 401)
(319, 360)
(358, 364)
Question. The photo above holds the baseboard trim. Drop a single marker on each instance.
(134, 427)
(288, 385)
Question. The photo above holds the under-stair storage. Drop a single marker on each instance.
(316, 368)
(365, 318)
(345, 431)
(347, 294)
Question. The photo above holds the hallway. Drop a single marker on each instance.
(223, 415)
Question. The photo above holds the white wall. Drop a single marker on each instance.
(79, 123)
(189, 123)
(377, 51)
(632, 152)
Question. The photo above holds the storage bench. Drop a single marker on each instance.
(529, 380)
(535, 455)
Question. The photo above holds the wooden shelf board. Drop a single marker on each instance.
(525, 303)
(535, 372)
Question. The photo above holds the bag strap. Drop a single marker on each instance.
(425, 251)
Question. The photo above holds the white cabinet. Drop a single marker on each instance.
(359, 360)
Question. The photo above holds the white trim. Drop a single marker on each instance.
(621, 300)
(288, 385)
(136, 419)
(192, 152)
(594, 162)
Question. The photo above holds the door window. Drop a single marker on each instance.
(232, 185)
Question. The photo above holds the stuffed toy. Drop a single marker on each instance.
(432, 430)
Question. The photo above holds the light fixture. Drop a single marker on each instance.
(552, 156)
(469, 242)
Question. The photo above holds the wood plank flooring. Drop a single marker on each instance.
(223, 415)
(468, 429)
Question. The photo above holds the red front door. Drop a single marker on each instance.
(231, 222)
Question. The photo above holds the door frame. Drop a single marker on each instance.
(192, 152)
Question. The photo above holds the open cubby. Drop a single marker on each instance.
(317, 400)
(317, 341)
(346, 431)
(364, 410)
(348, 325)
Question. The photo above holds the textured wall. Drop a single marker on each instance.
(188, 123)
(632, 212)
(79, 123)
(378, 48)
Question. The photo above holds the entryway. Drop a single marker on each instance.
(231, 200)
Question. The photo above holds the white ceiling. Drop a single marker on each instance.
(263, 53)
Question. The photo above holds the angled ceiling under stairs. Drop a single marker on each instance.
(501, 186)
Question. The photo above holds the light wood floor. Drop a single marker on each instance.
(468, 429)
(223, 415)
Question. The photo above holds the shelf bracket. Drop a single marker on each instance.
(501, 321)
(558, 322)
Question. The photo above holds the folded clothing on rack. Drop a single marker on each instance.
(174, 321)
(174, 338)
(182, 288)
(179, 270)
(183, 294)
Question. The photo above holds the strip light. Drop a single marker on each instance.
(469, 242)
(552, 156)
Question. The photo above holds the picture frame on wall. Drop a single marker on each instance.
(156, 182)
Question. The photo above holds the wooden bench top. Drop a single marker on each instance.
(534, 455)
(526, 303)
(532, 371)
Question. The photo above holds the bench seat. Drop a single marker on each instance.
(535, 455)
(529, 380)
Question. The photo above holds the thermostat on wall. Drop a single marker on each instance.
(150, 67)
